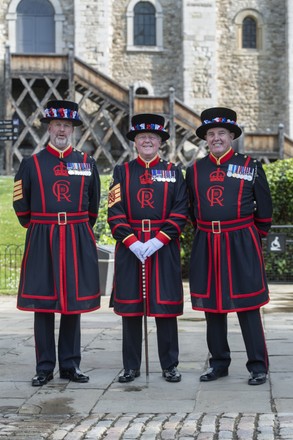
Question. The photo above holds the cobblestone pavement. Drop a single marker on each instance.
(228, 426)
(227, 409)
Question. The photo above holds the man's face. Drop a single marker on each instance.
(219, 140)
(147, 145)
(60, 133)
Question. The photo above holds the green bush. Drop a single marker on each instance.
(280, 178)
(102, 230)
(279, 266)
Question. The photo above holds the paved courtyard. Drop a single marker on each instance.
(148, 408)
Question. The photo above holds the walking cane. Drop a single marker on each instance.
(145, 322)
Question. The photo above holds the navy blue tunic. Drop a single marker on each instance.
(56, 196)
(146, 201)
(231, 209)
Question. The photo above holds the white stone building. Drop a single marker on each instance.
(212, 52)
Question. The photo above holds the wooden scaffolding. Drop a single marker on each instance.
(106, 109)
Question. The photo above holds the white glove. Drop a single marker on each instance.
(151, 246)
(137, 248)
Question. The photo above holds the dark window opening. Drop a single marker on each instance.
(141, 91)
(249, 33)
(144, 24)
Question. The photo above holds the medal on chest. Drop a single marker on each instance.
(240, 172)
(163, 176)
(79, 169)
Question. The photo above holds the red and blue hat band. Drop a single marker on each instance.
(219, 120)
(144, 127)
(62, 113)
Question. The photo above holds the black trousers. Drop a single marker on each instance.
(253, 336)
(69, 354)
(167, 339)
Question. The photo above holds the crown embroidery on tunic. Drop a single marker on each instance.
(60, 170)
(217, 176)
(146, 178)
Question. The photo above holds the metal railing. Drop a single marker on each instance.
(279, 263)
(10, 263)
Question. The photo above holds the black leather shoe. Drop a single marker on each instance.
(213, 374)
(257, 378)
(172, 375)
(128, 376)
(41, 378)
(73, 374)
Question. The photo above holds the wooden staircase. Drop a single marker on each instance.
(106, 109)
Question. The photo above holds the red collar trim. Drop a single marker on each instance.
(58, 153)
(149, 164)
(226, 156)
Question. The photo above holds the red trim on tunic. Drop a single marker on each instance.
(196, 189)
(82, 185)
(260, 256)
(40, 182)
(163, 238)
(225, 225)
(264, 220)
(241, 191)
(218, 272)
(155, 315)
(148, 276)
(166, 186)
(174, 224)
(226, 156)
(61, 266)
(127, 189)
(117, 226)
(66, 312)
(130, 240)
(75, 264)
(51, 251)
(150, 164)
(24, 263)
(20, 213)
(210, 268)
(244, 309)
(115, 217)
(53, 217)
(59, 153)
(172, 214)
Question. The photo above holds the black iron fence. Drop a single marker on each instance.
(277, 249)
(278, 254)
(10, 263)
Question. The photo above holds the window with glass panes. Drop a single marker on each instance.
(249, 33)
(144, 24)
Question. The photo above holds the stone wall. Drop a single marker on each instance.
(94, 33)
(161, 69)
(199, 53)
(254, 82)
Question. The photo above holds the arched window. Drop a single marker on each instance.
(144, 26)
(144, 30)
(141, 91)
(249, 33)
(250, 29)
(35, 27)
